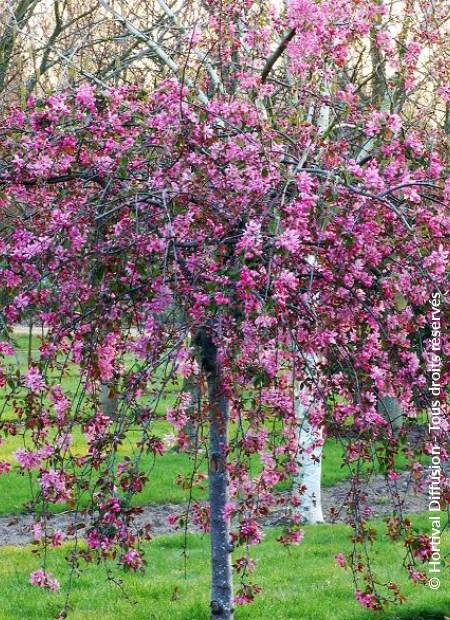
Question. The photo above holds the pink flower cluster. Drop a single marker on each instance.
(44, 579)
(367, 600)
(34, 380)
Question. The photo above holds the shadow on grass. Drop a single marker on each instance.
(419, 614)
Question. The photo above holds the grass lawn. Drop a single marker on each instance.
(16, 488)
(299, 583)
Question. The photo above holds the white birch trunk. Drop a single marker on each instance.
(309, 461)
(307, 483)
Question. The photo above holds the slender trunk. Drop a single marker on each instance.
(221, 573)
(309, 462)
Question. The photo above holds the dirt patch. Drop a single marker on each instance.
(377, 496)
(16, 529)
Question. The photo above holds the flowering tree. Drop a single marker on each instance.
(272, 231)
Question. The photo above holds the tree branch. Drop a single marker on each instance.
(276, 55)
(165, 58)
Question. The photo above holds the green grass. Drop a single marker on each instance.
(299, 583)
(15, 489)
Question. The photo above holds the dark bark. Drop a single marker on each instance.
(221, 572)
(276, 55)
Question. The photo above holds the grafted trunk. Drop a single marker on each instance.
(310, 467)
(221, 572)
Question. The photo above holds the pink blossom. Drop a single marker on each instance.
(54, 486)
(393, 122)
(132, 559)
(85, 96)
(373, 125)
(250, 532)
(34, 380)
(422, 547)
(228, 510)
(444, 92)
(245, 563)
(416, 576)
(186, 364)
(366, 600)
(57, 538)
(106, 357)
(176, 417)
(247, 593)
(61, 402)
(44, 580)
(28, 459)
(6, 348)
(221, 299)
(172, 519)
(93, 539)
(37, 531)
(290, 241)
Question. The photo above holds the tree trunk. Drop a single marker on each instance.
(389, 408)
(109, 401)
(309, 461)
(191, 428)
(221, 573)
(310, 467)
